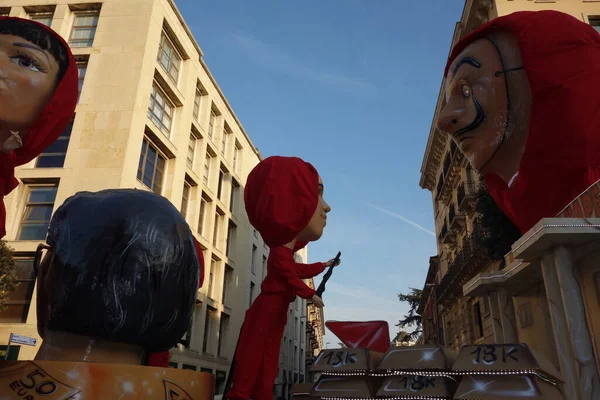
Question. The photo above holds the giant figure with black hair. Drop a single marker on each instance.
(119, 279)
(38, 95)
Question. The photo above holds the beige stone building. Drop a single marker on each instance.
(150, 116)
(465, 302)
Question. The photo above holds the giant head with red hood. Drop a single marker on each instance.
(38, 95)
(284, 201)
(521, 104)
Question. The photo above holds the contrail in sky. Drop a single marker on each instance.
(401, 218)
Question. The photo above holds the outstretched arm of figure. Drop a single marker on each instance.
(286, 267)
(307, 271)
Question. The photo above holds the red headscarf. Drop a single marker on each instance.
(52, 122)
(281, 196)
(561, 55)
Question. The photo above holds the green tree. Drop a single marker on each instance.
(502, 233)
(412, 319)
(7, 273)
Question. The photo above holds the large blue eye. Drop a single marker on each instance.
(466, 91)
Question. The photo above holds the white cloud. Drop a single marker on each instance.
(402, 218)
(272, 58)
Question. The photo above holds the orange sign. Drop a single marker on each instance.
(54, 380)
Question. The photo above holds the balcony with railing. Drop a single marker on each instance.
(456, 219)
(471, 259)
(450, 173)
(466, 196)
(446, 236)
(440, 186)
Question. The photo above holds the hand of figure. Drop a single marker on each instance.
(317, 301)
(330, 262)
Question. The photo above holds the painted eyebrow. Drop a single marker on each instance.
(34, 47)
(468, 61)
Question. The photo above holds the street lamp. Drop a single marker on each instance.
(327, 345)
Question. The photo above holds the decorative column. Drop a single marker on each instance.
(576, 320)
(566, 358)
(507, 316)
(495, 314)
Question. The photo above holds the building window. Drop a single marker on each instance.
(231, 230)
(227, 277)
(81, 71)
(17, 303)
(191, 151)
(54, 155)
(252, 262)
(220, 184)
(185, 199)
(478, 320)
(211, 124)
(223, 325)
(206, 173)
(235, 188)
(251, 293)
(264, 266)
(197, 101)
(236, 156)
(84, 29)
(151, 168)
(202, 218)
(188, 366)
(216, 231)
(224, 140)
(211, 277)
(42, 18)
(38, 212)
(595, 22)
(168, 57)
(160, 110)
(525, 315)
(207, 328)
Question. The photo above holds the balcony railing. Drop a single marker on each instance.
(446, 237)
(440, 186)
(450, 173)
(466, 197)
(469, 261)
(456, 219)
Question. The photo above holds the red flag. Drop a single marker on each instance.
(372, 335)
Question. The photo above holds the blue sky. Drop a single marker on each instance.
(351, 87)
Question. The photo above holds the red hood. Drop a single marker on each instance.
(281, 196)
(561, 55)
(372, 335)
(51, 123)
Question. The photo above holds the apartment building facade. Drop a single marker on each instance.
(152, 117)
(454, 311)
(315, 333)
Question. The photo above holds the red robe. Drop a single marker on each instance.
(281, 196)
(52, 122)
(561, 55)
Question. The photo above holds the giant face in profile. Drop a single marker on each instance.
(522, 104)
(479, 115)
(38, 95)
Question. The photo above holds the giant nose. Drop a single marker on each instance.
(451, 118)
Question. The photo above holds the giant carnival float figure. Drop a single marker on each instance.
(284, 202)
(118, 279)
(522, 105)
(38, 95)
